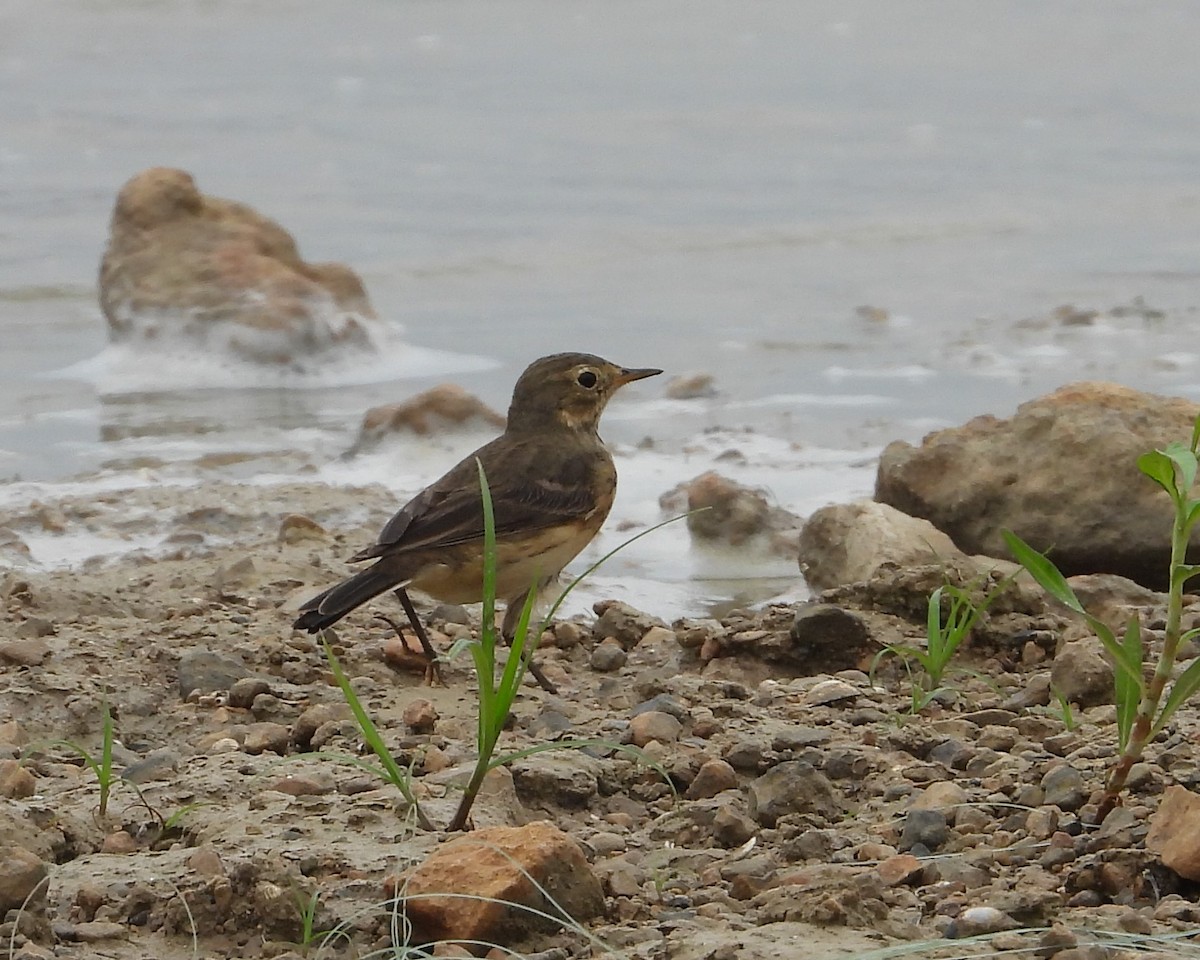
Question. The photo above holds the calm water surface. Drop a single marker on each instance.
(693, 185)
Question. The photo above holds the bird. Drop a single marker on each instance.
(552, 482)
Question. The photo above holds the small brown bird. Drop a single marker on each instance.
(552, 483)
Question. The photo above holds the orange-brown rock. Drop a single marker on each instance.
(214, 272)
(1175, 832)
(444, 407)
(501, 864)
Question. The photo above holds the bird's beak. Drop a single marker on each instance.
(639, 373)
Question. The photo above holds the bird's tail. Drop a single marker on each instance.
(326, 609)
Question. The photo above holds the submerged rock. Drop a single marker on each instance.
(446, 407)
(723, 511)
(216, 273)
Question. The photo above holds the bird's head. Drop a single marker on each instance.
(568, 389)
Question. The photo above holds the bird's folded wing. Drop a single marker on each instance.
(449, 513)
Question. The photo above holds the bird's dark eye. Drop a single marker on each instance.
(586, 379)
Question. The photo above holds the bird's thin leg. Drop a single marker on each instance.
(509, 628)
(435, 668)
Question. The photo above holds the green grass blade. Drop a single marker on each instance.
(1128, 692)
(1043, 571)
(1181, 691)
(370, 733)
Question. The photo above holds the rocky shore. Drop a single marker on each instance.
(793, 804)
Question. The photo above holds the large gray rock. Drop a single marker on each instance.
(851, 542)
(1062, 473)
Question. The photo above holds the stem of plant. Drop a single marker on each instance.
(1148, 705)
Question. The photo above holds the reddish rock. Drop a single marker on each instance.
(1062, 473)
(1175, 832)
(713, 777)
(16, 783)
(437, 410)
(214, 272)
(898, 869)
(498, 863)
(420, 716)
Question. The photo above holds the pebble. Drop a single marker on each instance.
(713, 777)
(266, 736)
(420, 716)
(119, 843)
(654, 725)
(244, 691)
(16, 783)
(1063, 788)
(608, 656)
(927, 828)
(20, 873)
(300, 786)
(831, 691)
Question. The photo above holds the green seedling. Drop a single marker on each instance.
(388, 770)
(945, 631)
(1144, 706)
(1064, 712)
(497, 692)
(102, 766)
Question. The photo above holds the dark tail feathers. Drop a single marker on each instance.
(326, 609)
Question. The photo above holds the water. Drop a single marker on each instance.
(697, 186)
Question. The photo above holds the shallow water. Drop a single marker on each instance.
(698, 186)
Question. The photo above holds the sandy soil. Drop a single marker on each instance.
(240, 816)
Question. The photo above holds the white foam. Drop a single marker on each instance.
(143, 367)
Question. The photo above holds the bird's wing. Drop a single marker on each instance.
(527, 495)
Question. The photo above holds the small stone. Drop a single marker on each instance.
(306, 725)
(830, 691)
(24, 653)
(208, 672)
(21, 872)
(16, 783)
(93, 931)
(420, 716)
(157, 765)
(266, 736)
(301, 786)
(654, 725)
(794, 786)
(1175, 832)
(713, 777)
(731, 827)
(979, 920)
(1063, 788)
(244, 691)
(606, 843)
(33, 627)
(926, 827)
(608, 656)
(296, 528)
(899, 869)
(119, 843)
(942, 795)
(206, 862)
(569, 634)
(1081, 673)
(622, 622)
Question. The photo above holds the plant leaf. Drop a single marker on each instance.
(1159, 467)
(1185, 460)
(1128, 691)
(1181, 692)
(1043, 571)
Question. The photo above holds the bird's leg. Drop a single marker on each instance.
(509, 629)
(434, 672)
